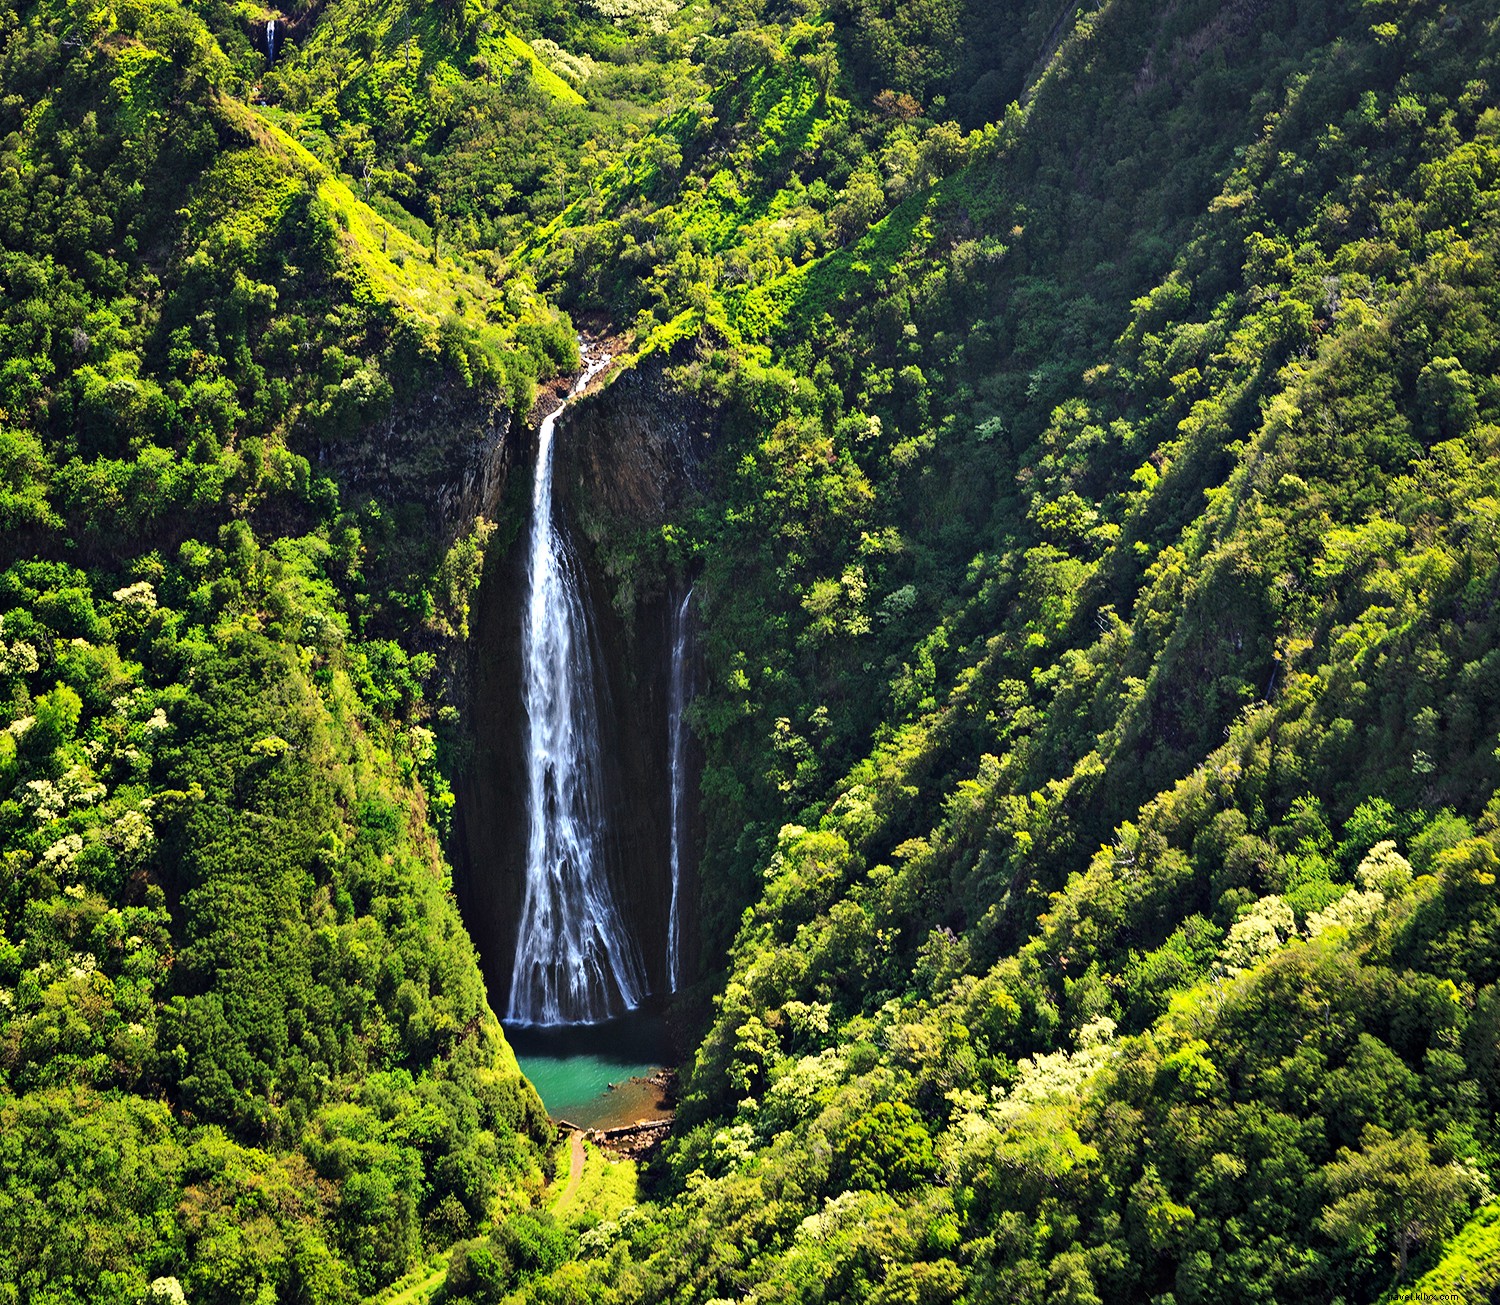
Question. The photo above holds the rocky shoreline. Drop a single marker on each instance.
(638, 1139)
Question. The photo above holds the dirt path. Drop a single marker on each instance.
(420, 1291)
(575, 1168)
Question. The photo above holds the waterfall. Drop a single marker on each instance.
(271, 40)
(678, 696)
(576, 962)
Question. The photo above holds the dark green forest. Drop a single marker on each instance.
(1098, 558)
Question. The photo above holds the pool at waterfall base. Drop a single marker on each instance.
(573, 1067)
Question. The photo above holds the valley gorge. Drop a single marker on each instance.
(900, 602)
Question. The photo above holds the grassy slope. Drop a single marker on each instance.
(1469, 1269)
(397, 269)
(518, 47)
(605, 1189)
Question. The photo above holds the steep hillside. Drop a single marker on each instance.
(1099, 582)
(244, 1043)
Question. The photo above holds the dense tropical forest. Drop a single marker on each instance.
(1095, 531)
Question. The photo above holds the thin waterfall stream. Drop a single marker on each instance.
(576, 961)
(679, 694)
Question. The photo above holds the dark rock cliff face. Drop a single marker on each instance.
(450, 449)
(627, 456)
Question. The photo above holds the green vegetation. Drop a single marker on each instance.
(1470, 1267)
(244, 1044)
(454, 127)
(1097, 554)
(1095, 579)
(605, 1189)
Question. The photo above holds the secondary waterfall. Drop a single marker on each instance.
(271, 40)
(576, 961)
(678, 695)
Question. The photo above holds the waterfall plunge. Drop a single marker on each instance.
(271, 40)
(679, 694)
(576, 962)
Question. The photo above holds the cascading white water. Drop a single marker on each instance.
(576, 961)
(678, 696)
(271, 40)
